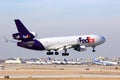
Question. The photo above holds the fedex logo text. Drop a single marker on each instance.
(26, 36)
(87, 40)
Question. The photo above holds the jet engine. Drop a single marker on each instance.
(80, 48)
(19, 36)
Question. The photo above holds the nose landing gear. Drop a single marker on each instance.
(93, 49)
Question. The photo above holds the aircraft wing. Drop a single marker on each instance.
(60, 47)
(63, 47)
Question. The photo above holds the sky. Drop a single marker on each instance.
(51, 18)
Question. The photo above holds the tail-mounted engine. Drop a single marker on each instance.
(19, 36)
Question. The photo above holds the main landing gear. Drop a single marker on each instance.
(51, 53)
(65, 53)
(57, 53)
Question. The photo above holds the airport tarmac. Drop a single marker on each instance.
(59, 71)
(60, 75)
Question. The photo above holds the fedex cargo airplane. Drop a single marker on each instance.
(53, 45)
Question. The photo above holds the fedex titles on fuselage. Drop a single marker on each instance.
(87, 40)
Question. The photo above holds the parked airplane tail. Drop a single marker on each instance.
(23, 34)
(95, 60)
(65, 60)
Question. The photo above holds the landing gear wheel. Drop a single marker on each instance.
(56, 53)
(65, 54)
(93, 50)
(49, 53)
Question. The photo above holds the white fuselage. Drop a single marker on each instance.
(60, 42)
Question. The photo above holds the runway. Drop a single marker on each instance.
(59, 75)
(59, 71)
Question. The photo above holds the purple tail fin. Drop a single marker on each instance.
(23, 34)
(20, 27)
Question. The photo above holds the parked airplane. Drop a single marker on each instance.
(105, 63)
(79, 43)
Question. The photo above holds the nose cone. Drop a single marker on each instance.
(102, 39)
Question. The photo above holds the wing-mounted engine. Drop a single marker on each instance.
(80, 48)
(20, 36)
